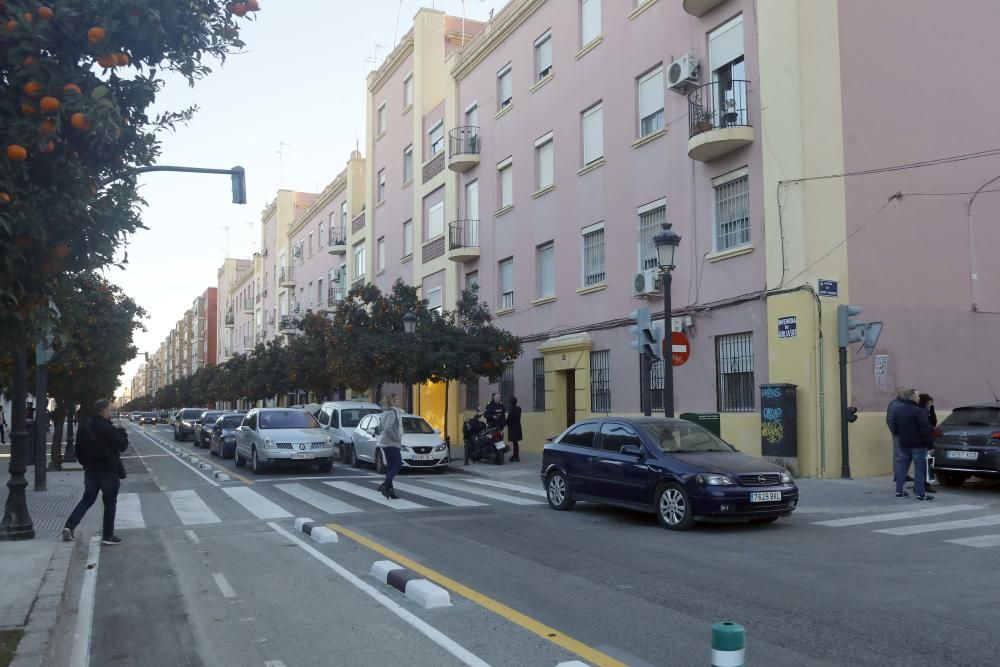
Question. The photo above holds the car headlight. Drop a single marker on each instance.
(786, 477)
(440, 448)
(268, 443)
(229, 438)
(404, 448)
(711, 479)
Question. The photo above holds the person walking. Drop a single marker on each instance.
(3, 426)
(494, 411)
(514, 428)
(915, 437)
(890, 417)
(391, 440)
(99, 445)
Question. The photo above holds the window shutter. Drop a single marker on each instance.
(545, 165)
(507, 186)
(651, 93)
(435, 221)
(505, 86)
(544, 55)
(590, 20)
(726, 44)
(593, 134)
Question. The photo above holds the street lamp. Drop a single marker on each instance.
(666, 243)
(409, 328)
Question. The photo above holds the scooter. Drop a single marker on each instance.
(482, 442)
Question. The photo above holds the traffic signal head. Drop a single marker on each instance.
(645, 339)
(852, 414)
(849, 330)
(239, 176)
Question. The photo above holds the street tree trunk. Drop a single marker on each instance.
(58, 421)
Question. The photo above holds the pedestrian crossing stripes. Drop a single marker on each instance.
(320, 501)
(446, 498)
(897, 516)
(943, 525)
(502, 497)
(939, 519)
(191, 509)
(978, 541)
(510, 487)
(369, 493)
(256, 504)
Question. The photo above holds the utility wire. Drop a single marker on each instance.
(900, 167)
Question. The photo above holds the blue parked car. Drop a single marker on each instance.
(670, 467)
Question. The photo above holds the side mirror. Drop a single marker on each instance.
(631, 450)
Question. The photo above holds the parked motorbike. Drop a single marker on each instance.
(483, 442)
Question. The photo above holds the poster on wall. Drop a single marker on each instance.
(787, 327)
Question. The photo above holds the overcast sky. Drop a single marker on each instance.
(301, 84)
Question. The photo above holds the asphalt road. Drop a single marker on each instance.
(214, 573)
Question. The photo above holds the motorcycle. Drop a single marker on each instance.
(483, 442)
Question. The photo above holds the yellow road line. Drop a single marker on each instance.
(588, 653)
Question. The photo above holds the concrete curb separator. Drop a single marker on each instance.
(319, 533)
(34, 648)
(428, 595)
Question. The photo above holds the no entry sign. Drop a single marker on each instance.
(680, 348)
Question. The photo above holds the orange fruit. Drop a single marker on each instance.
(4, 198)
(61, 251)
(17, 153)
(28, 109)
(121, 59)
(96, 34)
(28, 18)
(11, 25)
(49, 104)
(45, 12)
(80, 121)
(107, 62)
(33, 89)
(49, 147)
(72, 88)
(47, 127)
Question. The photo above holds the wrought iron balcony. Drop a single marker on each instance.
(463, 148)
(718, 119)
(286, 277)
(286, 324)
(230, 319)
(337, 243)
(700, 7)
(335, 295)
(463, 240)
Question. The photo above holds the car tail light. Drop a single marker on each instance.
(938, 433)
(995, 435)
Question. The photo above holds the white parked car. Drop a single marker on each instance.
(423, 446)
(340, 418)
(282, 436)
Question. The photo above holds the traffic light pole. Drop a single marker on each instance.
(645, 386)
(845, 451)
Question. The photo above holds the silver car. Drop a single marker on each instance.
(422, 444)
(282, 437)
(340, 418)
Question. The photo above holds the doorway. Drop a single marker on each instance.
(570, 397)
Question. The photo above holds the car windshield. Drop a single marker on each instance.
(676, 438)
(274, 419)
(191, 413)
(416, 425)
(232, 421)
(350, 418)
(975, 416)
(211, 416)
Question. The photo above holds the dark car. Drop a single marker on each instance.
(163, 417)
(669, 467)
(147, 418)
(967, 444)
(203, 427)
(223, 434)
(184, 422)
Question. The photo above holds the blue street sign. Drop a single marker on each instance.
(827, 287)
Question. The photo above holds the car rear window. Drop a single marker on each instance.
(287, 419)
(191, 413)
(352, 417)
(232, 421)
(212, 416)
(974, 416)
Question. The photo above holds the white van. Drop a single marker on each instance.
(339, 418)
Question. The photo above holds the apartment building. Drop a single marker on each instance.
(230, 302)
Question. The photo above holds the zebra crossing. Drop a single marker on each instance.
(929, 520)
(212, 505)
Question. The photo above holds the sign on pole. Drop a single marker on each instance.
(680, 348)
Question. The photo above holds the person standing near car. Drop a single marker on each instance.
(890, 421)
(514, 428)
(99, 446)
(494, 411)
(391, 441)
(927, 404)
(913, 430)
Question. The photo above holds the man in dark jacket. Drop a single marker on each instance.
(890, 421)
(495, 413)
(915, 437)
(99, 446)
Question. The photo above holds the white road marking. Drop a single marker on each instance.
(182, 461)
(273, 663)
(978, 541)
(896, 516)
(190, 508)
(510, 487)
(128, 513)
(942, 525)
(445, 498)
(80, 656)
(314, 478)
(256, 504)
(514, 500)
(192, 538)
(374, 496)
(320, 501)
(435, 635)
(223, 584)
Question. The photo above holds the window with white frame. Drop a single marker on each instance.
(505, 183)
(310, 244)
(726, 62)
(590, 21)
(359, 261)
(545, 266)
(734, 372)
(435, 221)
(592, 128)
(436, 136)
(543, 55)
(732, 211)
(408, 164)
(593, 254)
(380, 253)
(380, 196)
(435, 301)
(505, 275)
(650, 87)
(301, 301)
(472, 115)
(408, 90)
(544, 161)
(381, 118)
(407, 238)
(505, 89)
(651, 219)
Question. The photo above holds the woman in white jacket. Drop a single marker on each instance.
(390, 440)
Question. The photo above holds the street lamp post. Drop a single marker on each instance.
(409, 328)
(16, 523)
(666, 243)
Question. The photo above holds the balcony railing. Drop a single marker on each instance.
(335, 295)
(718, 119)
(337, 242)
(286, 323)
(463, 240)
(463, 148)
(287, 276)
(230, 319)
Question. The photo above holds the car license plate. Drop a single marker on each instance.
(422, 457)
(499, 445)
(302, 455)
(965, 456)
(765, 496)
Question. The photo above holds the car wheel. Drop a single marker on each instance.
(673, 507)
(951, 479)
(345, 452)
(557, 491)
(255, 465)
(355, 461)
(379, 462)
(325, 467)
(239, 460)
(175, 435)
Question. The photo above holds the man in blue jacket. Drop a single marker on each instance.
(913, 430)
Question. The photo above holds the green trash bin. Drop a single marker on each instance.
(707, 420)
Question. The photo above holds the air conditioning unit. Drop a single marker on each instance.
(644, 283)
(296, 251)
(682, 74)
